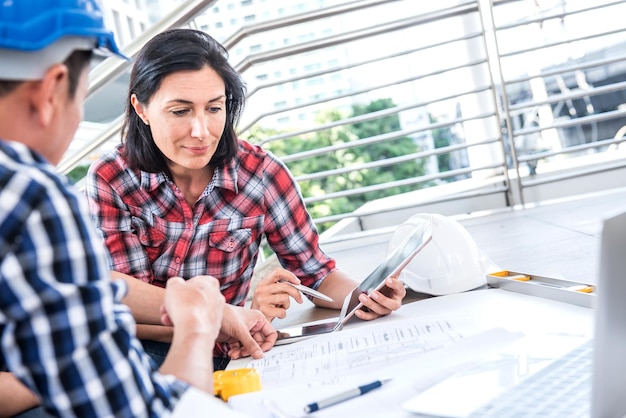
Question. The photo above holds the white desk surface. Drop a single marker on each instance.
(559, 239)
(495, 319)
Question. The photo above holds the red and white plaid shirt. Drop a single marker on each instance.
(153, 234)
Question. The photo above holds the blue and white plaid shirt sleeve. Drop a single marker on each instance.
(63, 330)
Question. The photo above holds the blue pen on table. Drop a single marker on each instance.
(344, 396)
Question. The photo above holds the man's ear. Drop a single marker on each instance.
(49, 94)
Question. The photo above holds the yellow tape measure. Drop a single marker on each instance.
(227, 383)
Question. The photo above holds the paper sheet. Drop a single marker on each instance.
(330, 356)
(411, 375)
(487, 321)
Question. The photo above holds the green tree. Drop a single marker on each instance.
(441, 138)
(395, 147)
(78, 173)
(444, 137)
(348, 157)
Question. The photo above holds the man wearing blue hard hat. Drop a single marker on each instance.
(66, 340)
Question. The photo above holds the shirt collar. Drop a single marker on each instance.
(152, 181)
(225, 177)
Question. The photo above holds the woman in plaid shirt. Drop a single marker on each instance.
(182, 195)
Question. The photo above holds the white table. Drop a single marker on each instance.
(495, 319)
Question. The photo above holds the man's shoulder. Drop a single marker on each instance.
(27, 169)
(16, 153)
(29, 185)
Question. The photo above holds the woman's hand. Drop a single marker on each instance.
(382, 302)
(271, 296)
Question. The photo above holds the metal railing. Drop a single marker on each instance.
(499, 111)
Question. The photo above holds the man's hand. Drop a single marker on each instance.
(247, 332)
(14, 396)
(193, 306)
(272, 297)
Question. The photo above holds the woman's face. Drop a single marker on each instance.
(186, 116)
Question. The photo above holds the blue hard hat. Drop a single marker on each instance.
(35, 24)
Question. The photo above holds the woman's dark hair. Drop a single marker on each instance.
(166, 53)
(75, 64)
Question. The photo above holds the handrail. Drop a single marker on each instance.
(361, 213)
(353, 35)
(573, 149)
(560, 15)
(348, 94)
(281, 23)
(570, 68)
(398, 183)
(582, 120)
(559, 43)
(112, 67)
(574, 94)
(365, 62)
(112, 129)
(393, 160)
(500, 124)
(381, 138)
(376, 138)
(374, 115)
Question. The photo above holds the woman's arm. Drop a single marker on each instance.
(337, 285)
(243, 328)
(145, 301)
(288, 226)
(120, 221)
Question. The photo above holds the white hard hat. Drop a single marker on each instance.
(450, 263)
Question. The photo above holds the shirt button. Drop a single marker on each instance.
(231, 244)
(177, 260)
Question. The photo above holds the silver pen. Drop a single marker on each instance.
(309, 291)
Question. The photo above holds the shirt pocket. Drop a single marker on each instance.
(233, 247)
(235, 235)
(231, 241)
(152, 238)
